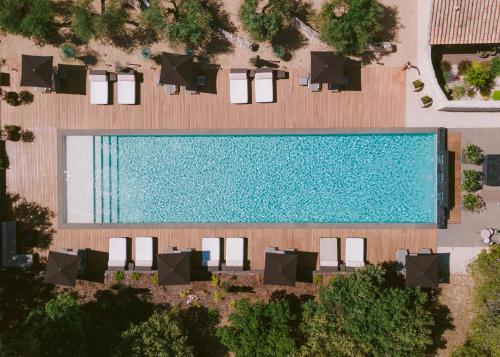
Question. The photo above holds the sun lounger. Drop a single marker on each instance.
(211, 253)
(235, 253)
(354, 253)
(117, 254)
(401, 260)
(264, 85)
(329, 254)
(126, 88)
(143, 253)
(238, 86)
(314, 87)
(99, 87)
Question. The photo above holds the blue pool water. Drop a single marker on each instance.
(348, 178)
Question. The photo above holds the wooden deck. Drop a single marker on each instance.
(454, 142)
(33, 172)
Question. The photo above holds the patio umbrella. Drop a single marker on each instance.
(174, 268)
(36, 71)
(62, 269)
(176, 69)
(422, 270)
(327, 67)
(280, 269)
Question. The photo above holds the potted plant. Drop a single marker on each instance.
(68, 51)
(472, 202)
(12, 98)
(279, 51)
(418, 85)
(471, 182)
(25, 97)
(473, 154)
(146, 53)
(482, 53)
(27, 136)
(426, 101)
(13, 132)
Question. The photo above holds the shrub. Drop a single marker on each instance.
(458, 92)
(265, 25)
(27, 136)
(218, 296)
(25, 97)
(495, 66)
(110, 25)
(351, 33)
(259, 329)
(154, 278)
(68, 51)
(473, 154)
(136, 276)
(161, 335)
(463, 67)
(119, 276)
(279, 51)
(192, 25)
(214, 280)
(496, 95)
(362, 314)
(472, 202)
(478, 75)
(55, 328)
(471, 181)
(318, 279)
(12, 98)
(12, 13)
(154, 17)
(445, 66)
(471, 92)
(83, 20)
(39, 22)
(485, 92)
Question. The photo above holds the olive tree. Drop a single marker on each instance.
(110, 25)
(83, 20)
(12, 13)
(39, 22)
(154, 17)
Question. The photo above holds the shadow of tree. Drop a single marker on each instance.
(291, 39)
(220, 20)
(34, 221)
(443, 320)
(111, 313)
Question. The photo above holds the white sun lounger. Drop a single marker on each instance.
(238, 86)
(264, 85)
(143, 253)
(99, 87)
(354, 252)
(235, 253)
(117, 254)
(329, 254)
(126, 88)
(210, 253)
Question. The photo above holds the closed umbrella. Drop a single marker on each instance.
(280, 269)
(174, 268)
(62, 269)
(36, 71)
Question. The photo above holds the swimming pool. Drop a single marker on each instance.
(306, 178)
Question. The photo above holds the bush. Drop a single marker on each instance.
(463, 67)
(471, 181)
(39, 22)
(260, 329)
(351, 33)
(67, 51)
(445, 66)
(119, 276)
(318, 279)
(471, 92)
(161, 335)
(136, 276)
(154, 278)
(154, 17)
(360, 315)
(495, 66)
(27, 136)
(214, 280)
(496, 95)
(267, 24)
(279, 51)
(472, 202)
(218, 296)
(478, 75)
(12, 13)
(55, 328)
(25, 97)
(12, 98)
(110, 25)
(458, 92)
(192, 25)
(473, 154)
(83, 20)
(485, 92)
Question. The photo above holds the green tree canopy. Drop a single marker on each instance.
(260, 329)
(39, 22)
(191, 25)
(478, 75)
(110, 25)
(265, 25)
(351, 32)
(162, 335)
(154, 17)
(358, 315)
(12, 13)
(55, 329)
(83, 20)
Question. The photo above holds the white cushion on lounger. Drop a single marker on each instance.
(144, 252)
(235, 252)
(210, 255)
(126, 88)
(328, 252)
(264, 89)
(355, 252)
(238, 88)
(99, 89)
(117, 252)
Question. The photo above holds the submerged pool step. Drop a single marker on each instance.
(106, 179)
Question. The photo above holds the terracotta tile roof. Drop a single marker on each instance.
(465, 22)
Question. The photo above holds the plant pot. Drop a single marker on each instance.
(418, 85)
(426, 101)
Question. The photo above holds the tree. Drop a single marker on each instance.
(110, 25)
(260, 329)
(265, 25)
(478, 75)
(359, 315)
(12, 13)
(352, 31)
(55, 328)
(161, 335)
(83, 21)
(191, 25)
(39, 22)
(154, 17)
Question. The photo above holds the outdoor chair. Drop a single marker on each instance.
(235, 253)
(238, 86)
(264, 85)
(126, 88)
(143, 253)
(354, 253)
(211, 253)
(117, 254)
(401, 261)
(329, 254)
(99, 87)
(314, 87)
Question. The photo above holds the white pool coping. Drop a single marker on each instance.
(79, 177)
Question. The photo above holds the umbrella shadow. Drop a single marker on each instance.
(71, 79)
(352, 70)
(210, 71)
(306, 265)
